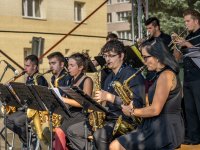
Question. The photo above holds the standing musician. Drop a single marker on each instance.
(77, 66)
(153, 28)
(191, 65)
(162, 126)
(114, 53)
(16, 122)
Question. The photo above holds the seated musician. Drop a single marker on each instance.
(17, 120)
(114, 53)
(162, 126)
(60, 78)
(77, 65)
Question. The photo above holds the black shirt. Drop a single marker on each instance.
(64, 81)
(136, 85)
(165, 38)
(191, 70)
(40, 80)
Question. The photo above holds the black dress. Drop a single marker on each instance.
(165, 131)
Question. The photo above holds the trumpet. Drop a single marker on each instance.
(175, 37)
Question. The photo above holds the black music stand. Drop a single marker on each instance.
(8, 99)
(28, 100)
(53, 104)
(86, 102)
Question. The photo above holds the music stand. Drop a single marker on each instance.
(28, 100)
(86, 102)
(7, 98)
(53, 104)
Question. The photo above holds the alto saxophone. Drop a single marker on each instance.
(121, 127)
(35, 114)
(96, 118)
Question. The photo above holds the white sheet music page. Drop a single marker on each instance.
(57, 93)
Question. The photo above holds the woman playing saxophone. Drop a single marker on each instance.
(77, 65)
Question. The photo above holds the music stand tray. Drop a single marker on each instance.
(27, 97)
(83, 99)
(6, 95)
(8, 98)
(52, 101)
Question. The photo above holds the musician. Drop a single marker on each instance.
(153, 28)
(57, 64)
(99, 60)
(114, 53)
(191, 75)
(16, 122)
(162, 126)
(77, 66)
(60, 78)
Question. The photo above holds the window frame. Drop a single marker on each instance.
(34, 15)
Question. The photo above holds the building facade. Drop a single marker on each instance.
(35, 26)
(119, 12)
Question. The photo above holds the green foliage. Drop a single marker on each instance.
(170, 13)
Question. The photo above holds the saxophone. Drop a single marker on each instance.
(122, 127)
(40, 118)
(35, 115)
(96, 118)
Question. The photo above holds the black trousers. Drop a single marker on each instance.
(102, 137)
(192, 110)
(16, 122)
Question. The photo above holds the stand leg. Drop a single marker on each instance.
(5, 69)
(86, 135)
(51, 130)
(27, 130)
(5, 129)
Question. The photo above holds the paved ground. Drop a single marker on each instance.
(17, 144)
(16, 141)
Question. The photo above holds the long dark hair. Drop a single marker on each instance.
(157, 49)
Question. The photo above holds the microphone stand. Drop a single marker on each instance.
(5, 69)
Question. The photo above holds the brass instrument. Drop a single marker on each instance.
(34, 114)
(139, 41)
(175, 37)
(40, 118)
(96, 118)
(124, 92)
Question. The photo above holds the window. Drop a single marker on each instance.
(109, 17)
(124, 35)
(78, 11)
(109, 2)
(122, 16)
(31, 8)
(123, 1)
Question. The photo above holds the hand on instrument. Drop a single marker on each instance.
(128, 109)
(101, 96)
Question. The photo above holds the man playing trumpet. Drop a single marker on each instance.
(191, 65)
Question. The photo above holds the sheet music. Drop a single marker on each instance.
(57, 93)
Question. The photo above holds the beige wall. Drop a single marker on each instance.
(58, 18)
